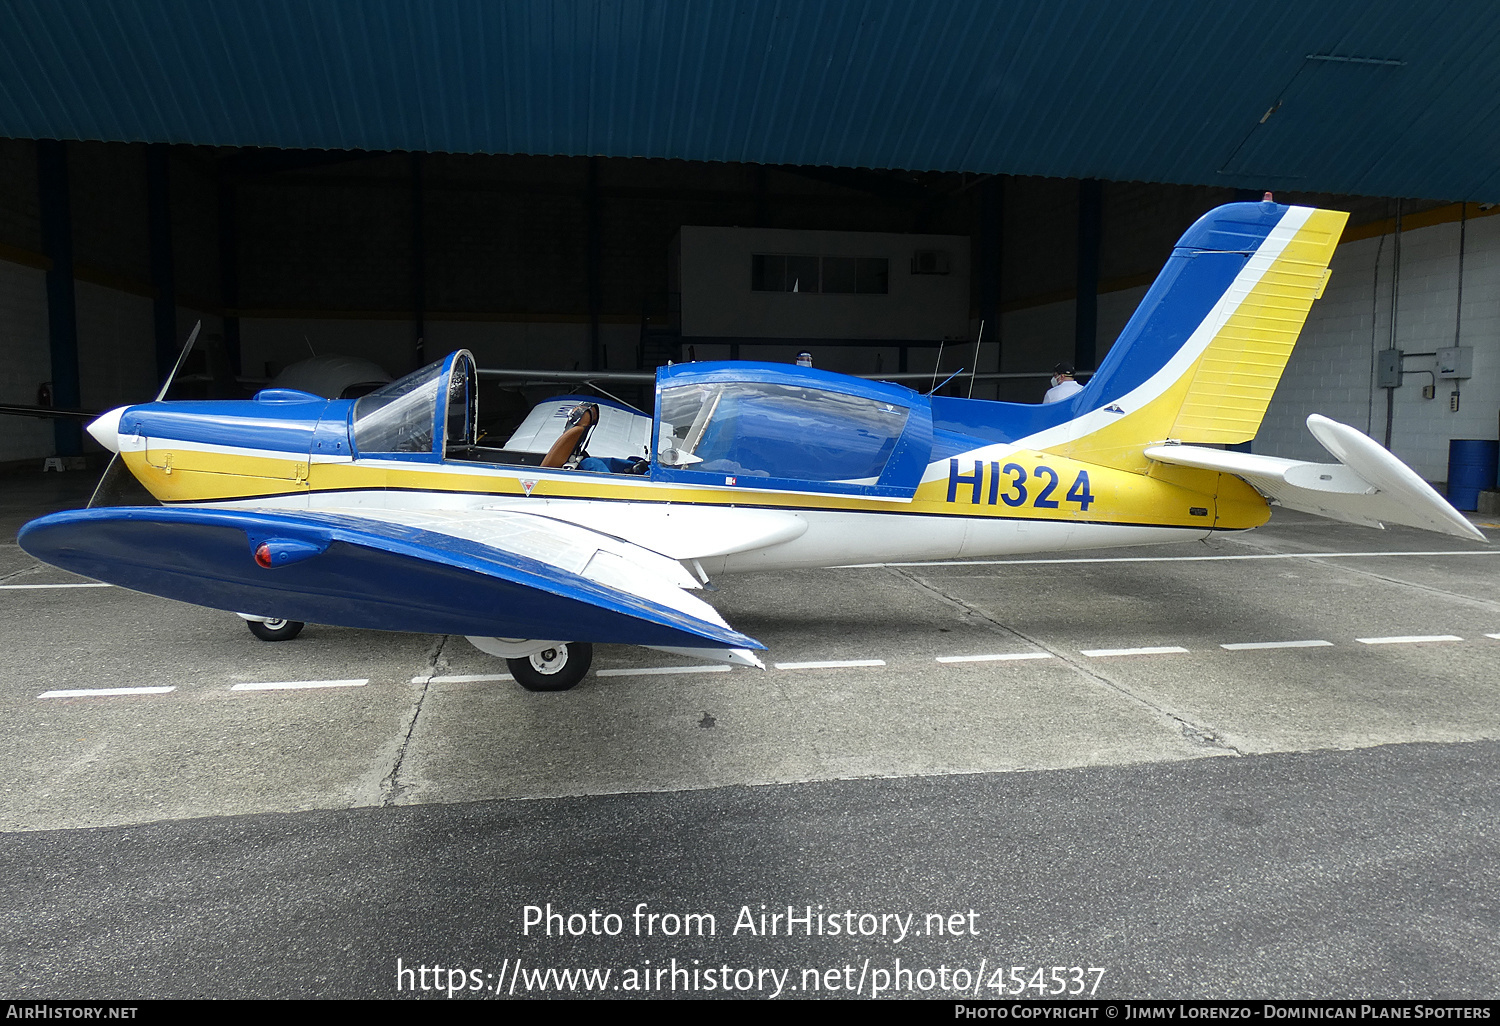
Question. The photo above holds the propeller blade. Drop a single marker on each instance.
(117, 486)
(181, 357)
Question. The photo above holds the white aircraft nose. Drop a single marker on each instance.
(106, 429)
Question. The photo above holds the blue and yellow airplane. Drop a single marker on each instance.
(385, 512)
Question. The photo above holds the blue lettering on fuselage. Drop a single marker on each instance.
(1012, 478)
(955, 479)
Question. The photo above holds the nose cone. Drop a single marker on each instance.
(106, 430)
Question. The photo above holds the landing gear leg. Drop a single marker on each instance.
(553, 669)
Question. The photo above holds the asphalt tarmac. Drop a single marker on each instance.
(1257, 767)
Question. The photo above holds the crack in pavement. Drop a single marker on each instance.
(391, 788)
(1194, 733)
(1261, 545)
(1468, 600)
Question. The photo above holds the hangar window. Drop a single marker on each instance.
(771, 272)
(784, 431)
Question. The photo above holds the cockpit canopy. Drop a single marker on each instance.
(760, 429)
(778, 426)
(406, 417)
(745, 424)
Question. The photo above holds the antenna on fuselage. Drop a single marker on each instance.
(949, 378)
(975, 373)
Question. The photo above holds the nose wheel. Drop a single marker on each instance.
(275, 630)
(553, 669)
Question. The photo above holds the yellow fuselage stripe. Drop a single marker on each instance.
(1026, 485)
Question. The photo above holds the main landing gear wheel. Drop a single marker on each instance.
(553, 669)
(275, 630)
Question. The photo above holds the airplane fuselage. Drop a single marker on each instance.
(990, 501)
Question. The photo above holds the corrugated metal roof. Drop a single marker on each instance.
(1376, 97)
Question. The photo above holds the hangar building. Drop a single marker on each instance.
(609, 185)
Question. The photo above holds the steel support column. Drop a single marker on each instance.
(1086, 308)
(159, 234)
(594, 269)
(418, 265)
(991, 236)
(62, 313)
(229, 269)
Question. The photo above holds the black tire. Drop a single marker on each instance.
(275, 630)
(555, 669)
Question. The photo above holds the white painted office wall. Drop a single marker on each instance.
(1331, 370)
(715, 264)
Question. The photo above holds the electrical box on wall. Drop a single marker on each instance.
(1388, 368)
(1455, 362)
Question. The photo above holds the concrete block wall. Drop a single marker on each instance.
(111, 249)
(116, 353)
(20, 213)
(1038, 337)
(25, 359)
(116, 346)
(1331, 370)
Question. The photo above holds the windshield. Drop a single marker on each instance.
(765, 430)
(402, 416)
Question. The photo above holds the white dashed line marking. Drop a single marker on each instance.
(999, 657)
(1155, 650)
(462, 678)
(1168, 559)
(1248, 646)
(298, 685)
(1495, 636)
(28, 587)
(97, 692)
(643, 671)
(831, 664)
(1409, 639)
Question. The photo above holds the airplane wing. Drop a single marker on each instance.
(678, 530)
(487, 573)
(621, 432)
(1367, 486)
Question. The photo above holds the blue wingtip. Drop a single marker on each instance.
(354, 572)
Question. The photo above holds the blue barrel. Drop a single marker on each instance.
(1471, 470)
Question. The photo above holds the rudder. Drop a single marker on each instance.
(1200, 359)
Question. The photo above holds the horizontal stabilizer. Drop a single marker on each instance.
(1368, 485)
(479, 573)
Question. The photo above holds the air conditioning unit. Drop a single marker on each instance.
(930, 261)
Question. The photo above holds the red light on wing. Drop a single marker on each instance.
(263, 555)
